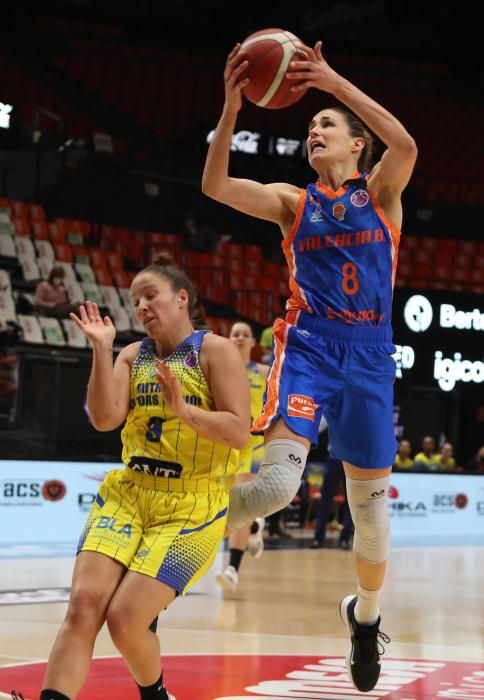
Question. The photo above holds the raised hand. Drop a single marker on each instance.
(98, 330)
(313, 72)
(235, 66)
(171, 389)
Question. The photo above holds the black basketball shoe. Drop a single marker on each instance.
(363, 659)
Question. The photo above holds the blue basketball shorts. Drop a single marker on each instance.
(343, 372)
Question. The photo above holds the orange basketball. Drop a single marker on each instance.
(269, 53)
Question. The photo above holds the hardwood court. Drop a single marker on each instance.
(284, 620)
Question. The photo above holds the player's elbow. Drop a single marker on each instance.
(209, 188)
(104, 423)
(409, 147)
(240, 440)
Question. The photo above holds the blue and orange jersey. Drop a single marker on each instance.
(342, 255)
(154, 438)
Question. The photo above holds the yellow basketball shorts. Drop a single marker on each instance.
(169, 529)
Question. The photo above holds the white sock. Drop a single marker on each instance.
(367, 609)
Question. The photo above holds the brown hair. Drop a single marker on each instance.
(57, 271)
(164, 266)
(245, 323)
(358, 129)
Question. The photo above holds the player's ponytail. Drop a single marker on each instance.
(164, 266)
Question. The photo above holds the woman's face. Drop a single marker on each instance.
(157, 306)
(404, 448)
(329, 140)
(241, 336)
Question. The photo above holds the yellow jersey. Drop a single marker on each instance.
(155, 440)
(257, 381)
(251, 453)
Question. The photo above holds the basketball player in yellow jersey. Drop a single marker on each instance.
(250, 458)
(157, 524)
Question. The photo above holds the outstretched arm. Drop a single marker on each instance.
(398, 162)
(262, 201)
(108, 388)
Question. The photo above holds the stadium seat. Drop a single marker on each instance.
(7, 246)
(63, 252)
(52, 331)
(75, 337)
(121, 319)
(110, 296)
(25, 247)
(5, 282)
(45, 266)
(19, 208)
(31, 330)
(40, 230)
(36, 212)
(30, 269)
(7, 305)
(75, 292)
(45, 250)
(85, 272)
(92, 292)
(21, 226)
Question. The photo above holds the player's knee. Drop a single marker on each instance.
(86, 609)
(120, 627)
(368, 501)
(276, 483)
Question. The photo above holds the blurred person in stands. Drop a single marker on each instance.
(333, 478)
(200, 239)
(427, 459)
(156, 525)
(476, 464)
(333, 352)
(250, 536)
(445, 460)
(50, 298)
(403, 459)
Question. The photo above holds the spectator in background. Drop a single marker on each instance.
(476, 464)
(403, 460)
(50, 297)
(427, 459)
(265, 340)
(200, 239)
(334, 477)
(446, 461)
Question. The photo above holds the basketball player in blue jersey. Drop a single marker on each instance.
(156, 525)
(332, 352)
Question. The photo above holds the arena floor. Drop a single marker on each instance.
(281, 637)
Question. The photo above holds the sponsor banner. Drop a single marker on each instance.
(260, 677)
(436, 505)
(47, 501)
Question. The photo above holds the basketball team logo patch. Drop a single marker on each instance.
(360, 198)
(339, 211)
(301, 406)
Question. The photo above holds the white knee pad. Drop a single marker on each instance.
(275, 485)
(368, 501)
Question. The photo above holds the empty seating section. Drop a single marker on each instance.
(141, 81)
(236, 276)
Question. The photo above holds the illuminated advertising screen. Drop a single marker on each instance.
(440, 367)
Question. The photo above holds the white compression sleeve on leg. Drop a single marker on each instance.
(368, 501)
(275, 485)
